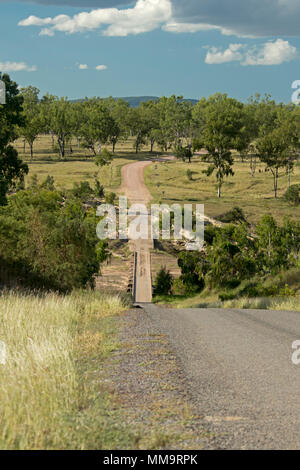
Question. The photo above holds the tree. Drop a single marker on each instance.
(32, 116)
(97, 126)
(61, 122)
(184, 153)
(271, 251)
(163, 282)
(45, 108)
(150, 114)
(274, 150)
(175, 122)
(223, 130)
(12, 169)
(119, 110)
(139, 127)
(50, 240)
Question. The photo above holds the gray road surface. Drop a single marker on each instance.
(240, 372)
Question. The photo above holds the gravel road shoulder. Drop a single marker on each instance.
(152, 390)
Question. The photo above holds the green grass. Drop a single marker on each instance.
(168, 183)
(52, 386)
(79, 165)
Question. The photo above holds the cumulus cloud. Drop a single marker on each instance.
(101, 67)
(145, 16)
(251, 18)
(270, 53)
(16, 67)
(216, 56)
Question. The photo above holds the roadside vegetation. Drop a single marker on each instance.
(53, 393)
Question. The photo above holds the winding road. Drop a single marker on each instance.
(238, 363)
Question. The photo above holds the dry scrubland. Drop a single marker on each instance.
(169, 183)
(52, 386)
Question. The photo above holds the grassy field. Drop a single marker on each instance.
(52, 387)
(168, 183)
(78, 165)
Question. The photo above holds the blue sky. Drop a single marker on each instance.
(152, 47)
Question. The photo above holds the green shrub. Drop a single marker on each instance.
(292, 195)
(48, 241)
(163, 282)
(235, 215)
(287, 291)
(226, 296)
(48, 183)
(110, 198)
(99, 189)
(82, 190)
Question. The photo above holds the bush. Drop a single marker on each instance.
(99, 189)
(163, 282)
(110, 198)
(235, 215)
(48, 183)
(82, 190)
(287, 292)
(292, 195)
(48, 242)
(226, 296)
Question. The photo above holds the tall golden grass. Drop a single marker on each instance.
(41, 388)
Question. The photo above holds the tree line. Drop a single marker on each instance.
(259, 130)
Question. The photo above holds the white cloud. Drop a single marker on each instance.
(46, 32)
(270, 53)
(101, 67)
(251, 18)
(145, 16)
(16, 67)
(216, 56)
(83, 66)
(174, 27)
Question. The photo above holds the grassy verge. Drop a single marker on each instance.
(52, 386)
(211, 301)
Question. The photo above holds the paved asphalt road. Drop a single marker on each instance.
(239, 368)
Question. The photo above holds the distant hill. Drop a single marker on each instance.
(135, 101)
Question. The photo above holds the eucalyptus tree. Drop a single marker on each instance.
(61, 123)
(119, 110)
(12, 169)
(97, 125)
(223, 130)
(33, 123)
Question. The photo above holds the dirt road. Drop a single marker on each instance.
(134, 187)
